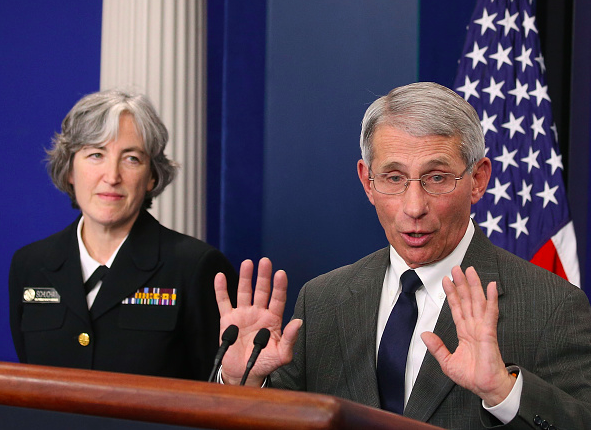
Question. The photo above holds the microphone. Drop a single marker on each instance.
(260, 341)
(229, 336)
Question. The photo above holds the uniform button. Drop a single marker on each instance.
(83, 339)
(537, 420)
(545, 425)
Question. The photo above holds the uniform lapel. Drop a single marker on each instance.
(134, 265)
(432, 386)
(357, 316)
(64, 272)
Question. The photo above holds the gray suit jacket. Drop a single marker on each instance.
(544, 327)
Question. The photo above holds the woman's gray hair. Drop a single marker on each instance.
(425, 109)
(94, 120)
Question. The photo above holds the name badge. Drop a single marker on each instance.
(40, 295)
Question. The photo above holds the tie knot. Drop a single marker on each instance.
(410, 282)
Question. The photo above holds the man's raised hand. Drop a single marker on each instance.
(263, 309)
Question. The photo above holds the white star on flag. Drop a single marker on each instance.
(537, 125)
(499, 191)
(477, 55)
(520, 225)
(548, 194)
(513, 125)
(525, 192)
(486, 22)
(555, 161)
(469, 88)
(531, 160)
(540, 93)
(507, 158)
(491, 224)
(488, 123)
(509, 22)
(529, 23)
(520, 91)
(494, 89)
(524, 58)
(502, 56)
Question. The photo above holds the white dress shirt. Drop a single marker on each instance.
(430, 298)
(89, 264)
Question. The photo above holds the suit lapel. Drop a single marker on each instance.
(432, 386)
(357, 316)
(134, 265)
(64, 272)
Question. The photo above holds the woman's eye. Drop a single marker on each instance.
(133, 159)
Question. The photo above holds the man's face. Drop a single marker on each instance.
(423, 228)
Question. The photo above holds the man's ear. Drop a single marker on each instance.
(480, 176)
(363, 172)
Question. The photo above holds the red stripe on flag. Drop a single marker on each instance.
(547, 257)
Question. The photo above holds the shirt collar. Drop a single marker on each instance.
(431, 274)
(89, 264)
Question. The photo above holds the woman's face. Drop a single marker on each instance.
(110, 181)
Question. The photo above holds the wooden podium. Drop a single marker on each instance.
(185, 403)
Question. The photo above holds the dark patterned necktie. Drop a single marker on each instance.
(98, 274)
(394, 344)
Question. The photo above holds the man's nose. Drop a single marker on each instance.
(415, 199)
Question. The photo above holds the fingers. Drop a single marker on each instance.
(263, 285)
(466, 293)
(288, 339)
(492, 304)
(476, 292)
(467, 301)
(279, 296)
(436, 347)
(221, 294)
(244, 297)
(454, 301)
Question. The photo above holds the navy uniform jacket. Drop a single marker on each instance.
(52, 325)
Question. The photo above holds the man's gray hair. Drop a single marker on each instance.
(425, 109)
(94, 120)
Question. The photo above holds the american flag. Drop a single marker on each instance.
(502, 74)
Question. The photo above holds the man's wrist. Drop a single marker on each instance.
(508, 408)
(220, 380)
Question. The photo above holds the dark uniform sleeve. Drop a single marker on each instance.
(15, 293)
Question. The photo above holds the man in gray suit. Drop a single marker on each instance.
(516, 354)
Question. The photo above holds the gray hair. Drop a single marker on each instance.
(94, 120)
(424, 109)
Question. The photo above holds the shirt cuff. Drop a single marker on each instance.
(219, 379)
(508, 408)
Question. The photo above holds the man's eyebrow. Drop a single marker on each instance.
(432, 164)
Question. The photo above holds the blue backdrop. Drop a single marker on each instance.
(288, 83)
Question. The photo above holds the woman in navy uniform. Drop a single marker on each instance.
(115, 290)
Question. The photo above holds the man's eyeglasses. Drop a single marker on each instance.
(433, 183)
